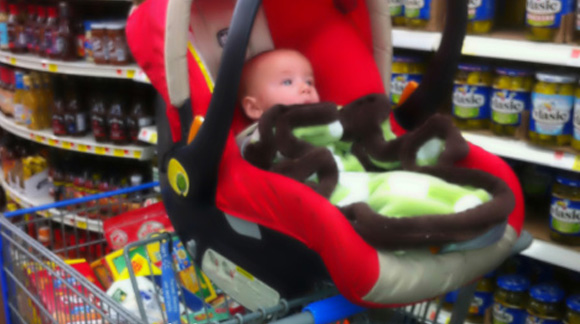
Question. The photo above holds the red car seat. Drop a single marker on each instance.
(260, 235)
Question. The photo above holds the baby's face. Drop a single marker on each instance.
(283, 77)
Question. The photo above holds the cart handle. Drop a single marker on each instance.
(85, 199)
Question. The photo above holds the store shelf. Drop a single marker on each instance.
(523, 151)
(543, 249)
(85, 144)
(68, 218)
(498, 45)
(131, 72)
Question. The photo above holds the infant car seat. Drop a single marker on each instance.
(259, 235)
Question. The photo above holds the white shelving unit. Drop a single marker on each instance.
(68, 219)
(522, 151)
(499, 46)
(131, 72)
(86, 144)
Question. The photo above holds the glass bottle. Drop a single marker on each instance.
(3, 26)
(49, 29)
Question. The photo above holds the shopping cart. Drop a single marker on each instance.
(39, 285)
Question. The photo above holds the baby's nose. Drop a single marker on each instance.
(306, 88)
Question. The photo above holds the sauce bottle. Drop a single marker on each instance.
(47, 93)
(117, 117)
(64, 35)
(140, 115)
(31, 104)
(98, 107)
(16, 37)
(19, 113)
(75, 117)
(3, 26)
(29, 26)
(50, 27)
(41, 99)
(59, 110)
(39, 29)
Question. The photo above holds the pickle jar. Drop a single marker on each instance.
(576, 121)
(565, 210)
(404, 70)
(572, 315)
(397, 9)
(471, 96)
(544, 304)
(417, 13)
(551, 115)
(481, 15)
(510, 300)
(482, 299)
(543, 18)
(510, 97)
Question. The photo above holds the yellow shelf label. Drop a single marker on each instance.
(137, 154)
(100, 150)
(83, 148)
(118, 152)
(576, 166)
(39, 138)
(67, 145)
(12, 60)
(53, 67)
(153, 139)
(52, 142)
(130, 74)
(82, 224)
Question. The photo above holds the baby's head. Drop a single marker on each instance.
(276, 77)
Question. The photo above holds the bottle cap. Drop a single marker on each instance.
(516, 283)
(547, 293)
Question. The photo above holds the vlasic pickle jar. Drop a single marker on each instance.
(576, 121)
(471, 96)
(480, 14)
(404, 70)
(551, 116)
(397, 9)
(572, 315)
(482, 299)
(544, 305)
(510, 300)
(565, 210)
(510, 97)
(417, 13)
(543, 18)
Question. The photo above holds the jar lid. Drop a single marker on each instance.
(473, 67)
(515, 283)
(573, 302)
(547, 293)
(561, 179)
(407, 59)
(555, 78)
(513, 72)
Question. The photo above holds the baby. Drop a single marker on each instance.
(279, 83)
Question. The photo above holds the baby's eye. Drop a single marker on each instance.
(287, 82)
(310, 82)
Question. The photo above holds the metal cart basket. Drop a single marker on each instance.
(41, 285)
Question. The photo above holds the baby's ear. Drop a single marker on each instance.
(251, 108)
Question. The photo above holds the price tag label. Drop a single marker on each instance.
(130, 74)
(100, 150)
(576, 166)
(81, 224)
(137, 154)
(12, 60)
(153, 139)
(52, 142)
(67, 145)
(52, 67)
(118, 152)
(83, 148)
(39, 138)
